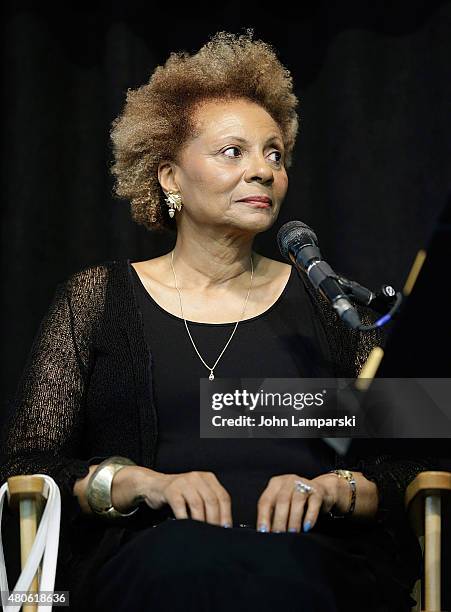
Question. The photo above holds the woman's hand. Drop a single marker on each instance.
(282, 507)
(200, 492)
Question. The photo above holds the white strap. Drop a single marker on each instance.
(44, 546)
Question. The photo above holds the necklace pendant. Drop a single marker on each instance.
(211, 375)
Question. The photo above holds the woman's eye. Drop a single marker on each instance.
(278, 160)
(229, 149)
(280, 156)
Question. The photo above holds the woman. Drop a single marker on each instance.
(114, 371)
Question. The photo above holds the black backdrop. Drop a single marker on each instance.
(370, 175)
(372, 161)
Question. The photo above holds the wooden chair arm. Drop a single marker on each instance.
(26, 496)
(423, 505)
(425, 484)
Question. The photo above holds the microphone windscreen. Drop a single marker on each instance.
(294, 233)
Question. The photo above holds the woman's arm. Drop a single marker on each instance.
(125, 487)
(367, 502)
(380, 490)
(282, 507)
(392, 464)
(367, 495)
(392, 477)
(45, 425)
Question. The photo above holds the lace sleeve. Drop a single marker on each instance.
(392, 464)
(43, 432)
(392, 476)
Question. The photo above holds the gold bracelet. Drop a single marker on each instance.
(349, 476)
(98, 491)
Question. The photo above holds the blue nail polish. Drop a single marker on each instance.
(227, 525)
(263, 528)
(307, 526)
(292, 530)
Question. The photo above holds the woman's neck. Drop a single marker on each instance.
(206, 264)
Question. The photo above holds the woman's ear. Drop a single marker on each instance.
(166, 176)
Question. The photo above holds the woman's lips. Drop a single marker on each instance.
(255, 203)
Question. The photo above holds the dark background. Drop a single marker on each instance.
(371, 168)
(372, 162)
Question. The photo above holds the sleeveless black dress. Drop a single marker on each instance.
(193, 565)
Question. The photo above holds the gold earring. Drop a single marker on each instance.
(174, 201)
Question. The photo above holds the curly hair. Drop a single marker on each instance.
(156, 120)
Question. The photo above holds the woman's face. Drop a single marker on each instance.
(238, 152)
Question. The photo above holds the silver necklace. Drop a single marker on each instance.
(211, 377)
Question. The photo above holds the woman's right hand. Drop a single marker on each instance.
(199, 492)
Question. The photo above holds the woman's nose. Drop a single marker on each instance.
(258, 168)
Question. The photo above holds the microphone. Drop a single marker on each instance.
(298, 243)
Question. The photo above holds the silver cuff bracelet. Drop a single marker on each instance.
(98, 491)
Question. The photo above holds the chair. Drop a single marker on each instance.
(423, 505)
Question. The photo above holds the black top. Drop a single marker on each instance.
(291, 344)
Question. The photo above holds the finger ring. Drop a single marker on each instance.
(302, 487)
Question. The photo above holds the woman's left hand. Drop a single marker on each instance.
(281, 507)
